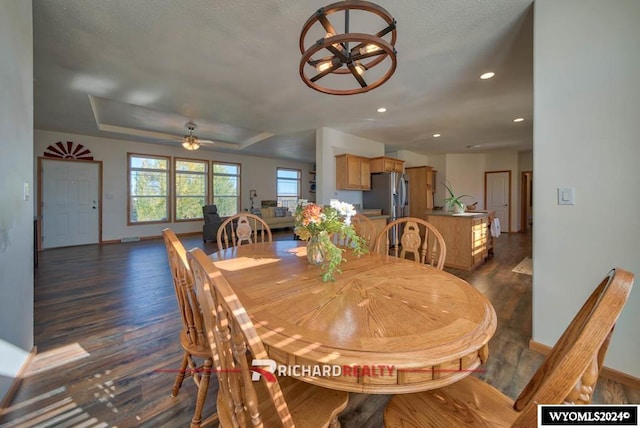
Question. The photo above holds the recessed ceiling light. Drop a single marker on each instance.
(487, 75)
(381, 109)
(473, 146)
(436, 135)
(518, 119)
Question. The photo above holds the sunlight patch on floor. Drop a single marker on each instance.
(55, 358)
(524, 267)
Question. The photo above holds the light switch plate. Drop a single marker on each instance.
(26, 191)
(566, 196)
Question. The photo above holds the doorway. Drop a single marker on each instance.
(497, 191)
(526, 202)
(69, 202)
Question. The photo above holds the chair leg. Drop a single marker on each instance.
(203, 387)
(177, 384)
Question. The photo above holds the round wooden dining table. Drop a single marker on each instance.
(392, 325)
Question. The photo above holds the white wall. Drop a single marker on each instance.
(465, 174)
(329, 143)
(16, 214)
(410, 158)
(256, 173)
(525, 160)
(586, 135)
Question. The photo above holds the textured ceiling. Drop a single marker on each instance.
(141, 69)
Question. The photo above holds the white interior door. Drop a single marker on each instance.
(70, 197)
(497, 191)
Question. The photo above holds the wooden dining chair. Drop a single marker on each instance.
(243, 228)
(192, 336)
(413, 236)
(365, 229)
(235, 343)
(568, 374)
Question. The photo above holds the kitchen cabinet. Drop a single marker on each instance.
(421, 189)
(466, 236)
(353, 172)
(385, 164)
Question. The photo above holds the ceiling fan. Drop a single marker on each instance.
(191, 142)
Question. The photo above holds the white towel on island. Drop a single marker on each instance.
(495, 227)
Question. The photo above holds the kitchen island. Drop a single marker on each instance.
(466, 236)
(378, 219)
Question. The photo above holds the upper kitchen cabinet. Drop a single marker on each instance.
(353, 172)
(421, 190)
(385, 164)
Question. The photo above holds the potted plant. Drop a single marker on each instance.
(454, 202)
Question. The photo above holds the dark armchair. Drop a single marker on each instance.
(212, 222)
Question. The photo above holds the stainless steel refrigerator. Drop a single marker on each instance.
(389, 192)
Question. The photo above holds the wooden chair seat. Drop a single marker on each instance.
(568, 374)
(469, 402)
(310, 406)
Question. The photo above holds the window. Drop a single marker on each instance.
(191, 188)
(288, 187)
(148, 189)
(226, 188)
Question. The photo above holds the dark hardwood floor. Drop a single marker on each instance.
(106, 328)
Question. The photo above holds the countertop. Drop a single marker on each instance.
(472, 214)
(374, 214)
(377, 217)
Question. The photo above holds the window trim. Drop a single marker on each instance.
(169, 187)
(239, 175)
(299, 180)
(174, 213)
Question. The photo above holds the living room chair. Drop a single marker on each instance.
(212, 222)
(235, 343)
(243, 228)
(192, 336)
(414, 236)
(568, 374)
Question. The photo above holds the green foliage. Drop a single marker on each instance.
(323, 224)
(453, 199)
(191, 189)
(149, 189)
(226, 189)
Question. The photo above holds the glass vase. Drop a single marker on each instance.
(315, 251)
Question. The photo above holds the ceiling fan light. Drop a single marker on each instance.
(190, 143)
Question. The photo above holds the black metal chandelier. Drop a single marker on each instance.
(336, 63)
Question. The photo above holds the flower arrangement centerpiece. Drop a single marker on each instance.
(320, 226)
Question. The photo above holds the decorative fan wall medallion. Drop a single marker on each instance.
(68, 151)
